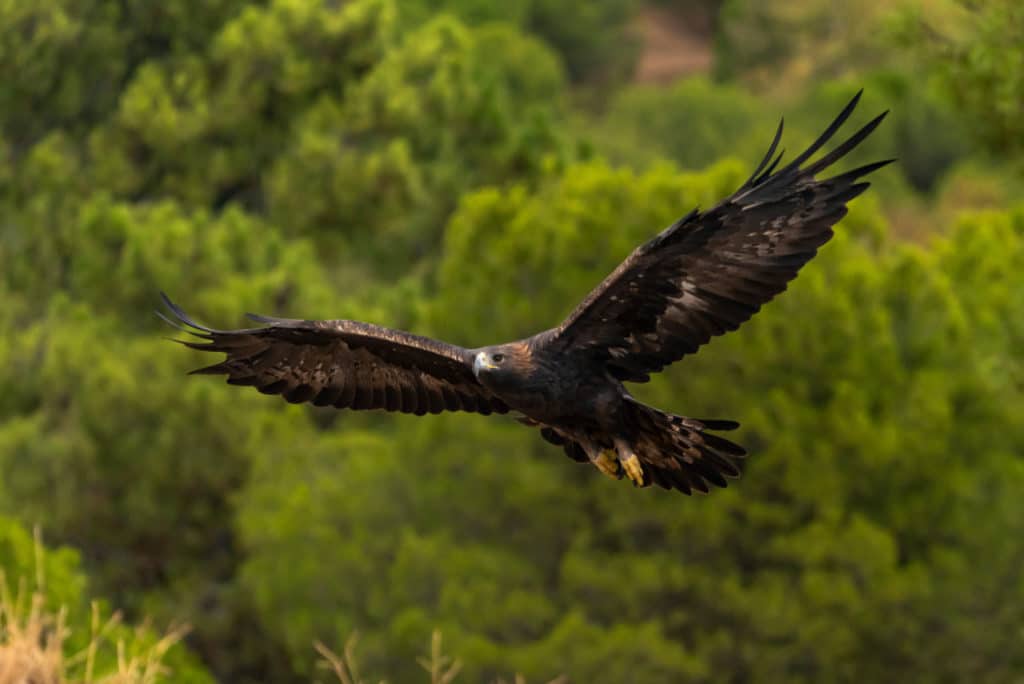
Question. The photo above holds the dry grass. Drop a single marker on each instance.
(442, 669)
(33, 641)
(345, 666)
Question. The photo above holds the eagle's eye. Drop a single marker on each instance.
(498, 358)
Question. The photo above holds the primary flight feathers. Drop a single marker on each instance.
(702, 276)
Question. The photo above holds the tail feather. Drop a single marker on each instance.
(677, 452)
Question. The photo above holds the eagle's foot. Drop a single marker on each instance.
(608, 463)
(635, 471)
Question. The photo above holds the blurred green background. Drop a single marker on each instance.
(470, 169)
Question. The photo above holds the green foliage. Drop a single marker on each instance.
(596, 45)
(972, 47)
(916, 111)
(66, 60)
(446, 110)
(324, 118)
(24, 561)
(203, 126)
(411, 163)
(783, 45)
(693, 122)
(977, 53)
(976, 184)
(97, 448)
(696, 121)
(119, 254)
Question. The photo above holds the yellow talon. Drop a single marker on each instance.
(608, 464)
(633, 469)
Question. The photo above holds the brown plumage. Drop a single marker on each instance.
(702, 276)
(345, 364)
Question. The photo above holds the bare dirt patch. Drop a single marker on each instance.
(675, 44)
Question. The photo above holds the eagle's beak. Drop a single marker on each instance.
(482, 363)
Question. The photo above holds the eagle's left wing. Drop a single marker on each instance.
(345, 364)
(709, 272)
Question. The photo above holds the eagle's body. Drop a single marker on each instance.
(702, 276)
(547, 387)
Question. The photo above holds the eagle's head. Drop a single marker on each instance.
(493, 364)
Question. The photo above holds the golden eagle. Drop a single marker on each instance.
(702, 276)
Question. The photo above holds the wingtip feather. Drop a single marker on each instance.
(183, 317)
(846, 146)
(827, 135)
(757, 175)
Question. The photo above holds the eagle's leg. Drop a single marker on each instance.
(608, 464)
(630, 462)
(605, 460)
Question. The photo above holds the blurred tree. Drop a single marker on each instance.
(975, 47)
(917, 111)
(594, 38)
(697, 120)
(692, 122)
(117, 255)
(65, 61)
(597, 43)
(782, 46)
(204, 126)
(313, 114)
(98, 444)
(104, 446)
(447, 110)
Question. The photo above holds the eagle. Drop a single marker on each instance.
(700, 277)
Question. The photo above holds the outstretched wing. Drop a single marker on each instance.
(346, 364)
(709, 272)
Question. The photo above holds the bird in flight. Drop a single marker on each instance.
(702, 276)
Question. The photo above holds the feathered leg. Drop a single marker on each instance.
(630, 462)
(605, 460)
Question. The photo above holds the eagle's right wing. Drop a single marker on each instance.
(346, 364)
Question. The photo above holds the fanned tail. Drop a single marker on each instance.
(676, 452)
